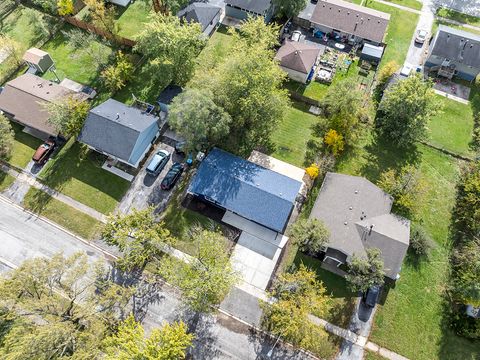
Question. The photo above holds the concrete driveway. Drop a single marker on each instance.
(416, 52)
(145, 189)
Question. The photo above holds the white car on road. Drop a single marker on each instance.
(421, 36)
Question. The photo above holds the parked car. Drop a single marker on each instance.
(172, 176)
(158, 162)
(370, 297)
(421, 36)
(44, 151)
(180, 147)
(296, 35)
(406, 70)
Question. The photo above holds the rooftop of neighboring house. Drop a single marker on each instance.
(357, 213)
(201, 13)
(255, 6)
(298, 56)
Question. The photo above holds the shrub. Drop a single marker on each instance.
(334, 141)
(313, 171)
(310, 235)
(420, 242)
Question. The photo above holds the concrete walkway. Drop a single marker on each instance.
(23, 183)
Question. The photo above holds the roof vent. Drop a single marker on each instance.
(370, 231)
(345, 223)
(118, 116)
(350, 208)
(356, 191)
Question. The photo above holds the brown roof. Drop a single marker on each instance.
(351, 18)
(22, 98)
(34, 55)
(298, 56)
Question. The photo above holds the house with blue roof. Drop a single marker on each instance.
(246, 189)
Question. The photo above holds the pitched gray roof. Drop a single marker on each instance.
(457, 45)
(351, 18)
(202, 13)
(298, 56)
(349, 205)
(255, 6)
(113, 127)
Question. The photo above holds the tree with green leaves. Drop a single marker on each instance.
(168, 42)
(467, 209)
(194, 115)
(311, 235)
(364, 273)
(405, 110)
(255, 32)
(208, 278)
(11, 49)
(103, 15)
(297, 295)
(67, 114)
(288, 8)
(60, 307)
(129, 342)
(116, 76)
(6, 137)
(139, 236)
(65, 7)
(49, 6)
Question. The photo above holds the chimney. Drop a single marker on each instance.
(370, 231)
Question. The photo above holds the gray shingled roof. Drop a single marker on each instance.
(298, 56)
(349, 205)
(202, 13)
(255, 6)
(113, 127)
(351, 18)
(457, 45)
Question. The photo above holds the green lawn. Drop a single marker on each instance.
(414, 4)
(292, 134)
(399, 33)
(130, 20)
(5, 181)
(368, 355)
(27, 27)
(458, 16)
(81, 65)
(24, 147)
(77, 173)
(62, 214)
(452, 129)
(217, 48)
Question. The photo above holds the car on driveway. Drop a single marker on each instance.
(172, 176)
(158, 162)
(370, 297)
(296, 35)
(44, 151)
(421, 36)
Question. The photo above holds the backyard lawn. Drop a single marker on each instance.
(399, 33)
(438, 22)
(5, 180)
(77, 173)
(452, 129)
(413, 4)
(458, 16)
(130, 20)
(24, 147)
(62, 214)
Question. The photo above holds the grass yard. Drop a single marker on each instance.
(62, 214)
(130, 20)
(5, 180)
(77, 173)
(438, 22)
(81, 65)
(292, 134)
(413, 4)
(24, 147)
(452, 129)
(399, 33)
(368, 355)
(217, 48)
(458, 16)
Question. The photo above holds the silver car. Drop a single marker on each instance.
(421, 36)
(158, 162)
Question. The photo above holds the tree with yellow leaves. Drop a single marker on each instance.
(334, 141)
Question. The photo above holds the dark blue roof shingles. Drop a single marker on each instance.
(247, 189)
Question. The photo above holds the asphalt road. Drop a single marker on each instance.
(416, 52)
(23, 236)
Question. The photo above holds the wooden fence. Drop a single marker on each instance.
(120, 40)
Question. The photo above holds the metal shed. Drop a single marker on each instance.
(372, 53)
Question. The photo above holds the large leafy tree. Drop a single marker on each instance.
(405, 110)
(67, 115)
(467, 209)
(115, 76)
(167, 41)
(364, 273)
(297, 295)
(289, 8)
(466, 273)
(139, 236)
(194, 115)
(208, 278)
(6, 137)
(129, 342)
(311, 235)
(103, 15)
(61, 307)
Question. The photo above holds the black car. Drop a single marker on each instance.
(172, 176)
(370, 297)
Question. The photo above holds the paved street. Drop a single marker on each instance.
(24, 236)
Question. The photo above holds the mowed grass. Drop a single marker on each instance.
(411, 321)
(399, 32)
(438, 22)
(458, 16)
(292, 134)
(62, 214)
(24, 147)
(413, 4)
(5, 180)
(130, 21)
(78, 173)
(452, 128)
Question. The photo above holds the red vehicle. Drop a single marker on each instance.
(44, 151)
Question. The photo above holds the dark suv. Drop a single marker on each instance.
(172, 176)
(44, 151)
(370, 297)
